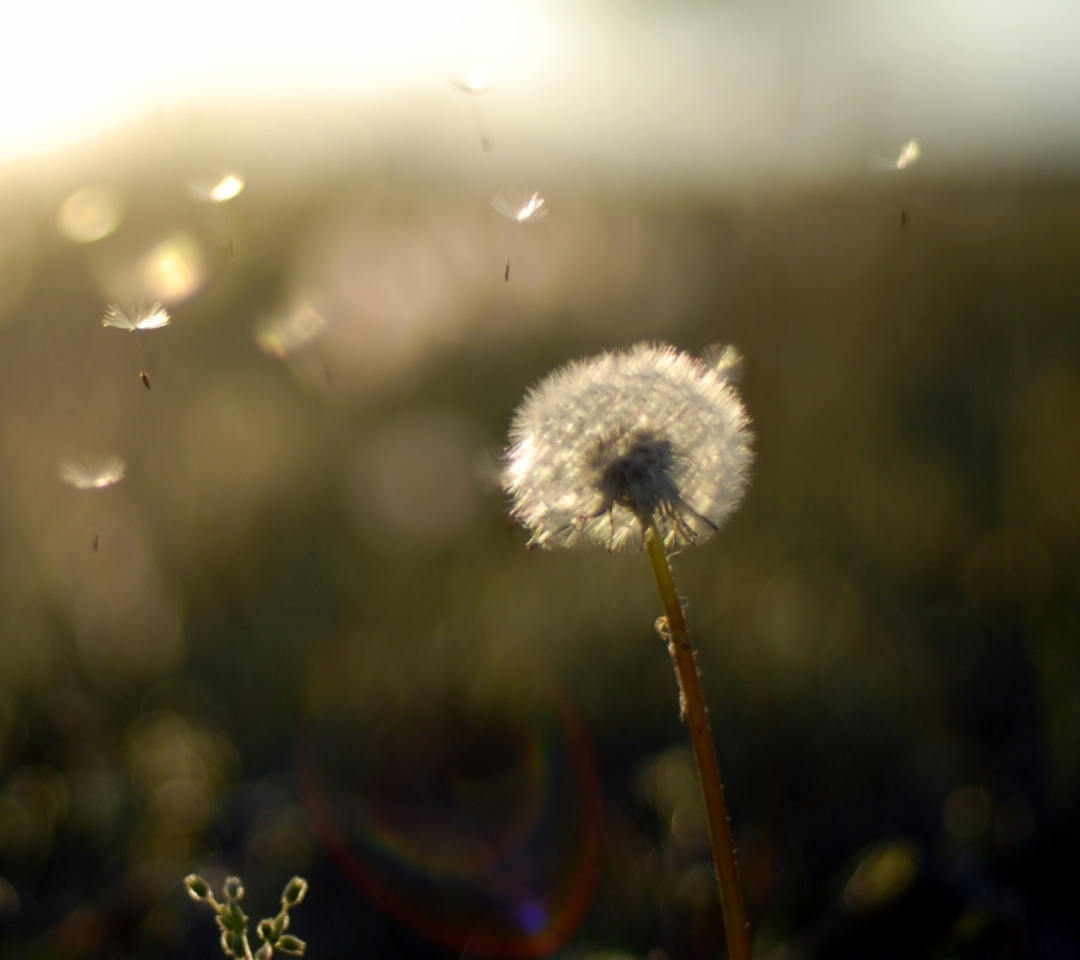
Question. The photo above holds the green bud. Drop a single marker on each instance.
(267, 932)
(281, 924)
(295, 891)
(265, 952)
(291, 944)
(234, 888)
(231, 917)
(232, 943)
(197, 888)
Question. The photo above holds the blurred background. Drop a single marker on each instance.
(301, 636)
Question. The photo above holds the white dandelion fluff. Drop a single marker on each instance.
(217, 191)
(909, 155)
(528, 209)
(603, 447)
(476, 84)
(93, 475)
(135, 316)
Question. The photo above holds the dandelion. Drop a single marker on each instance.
(909, 154)
(95, 475)
(135, 318)
(475, 86)
(531, 209)
(219, 192)
(648, 445)
(604, 447)
(295, 330)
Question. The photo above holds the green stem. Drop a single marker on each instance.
(697, 719)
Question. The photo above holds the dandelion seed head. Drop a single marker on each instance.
(93, 475)
(135, 316)
(602, 446)
(530, 209)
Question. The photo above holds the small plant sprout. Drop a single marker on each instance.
(909, 155)
(219, 192)
(645, 446)
(135, 318)
(93, 476)
(233, 922)
(475, 85)
(530, 209)
(285, 335)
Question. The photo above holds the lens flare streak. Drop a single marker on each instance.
(517, 921)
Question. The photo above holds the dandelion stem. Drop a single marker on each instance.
(736, 928)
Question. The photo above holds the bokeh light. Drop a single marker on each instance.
(173, 270)
(90, 214)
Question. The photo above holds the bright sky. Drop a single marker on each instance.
(72, 69)
(718, 89)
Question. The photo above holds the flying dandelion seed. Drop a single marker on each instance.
(530, 210)
(475, 86)
(93, 476)
(286, 335)
(136, 318)
(219, 192)
(909, 155)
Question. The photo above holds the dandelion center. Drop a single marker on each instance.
(634, 471)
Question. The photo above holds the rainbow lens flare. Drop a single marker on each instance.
(484, 841)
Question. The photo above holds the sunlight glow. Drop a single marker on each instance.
(117, 59)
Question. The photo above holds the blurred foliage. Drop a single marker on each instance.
(311, 642)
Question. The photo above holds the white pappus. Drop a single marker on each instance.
(604, 446)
